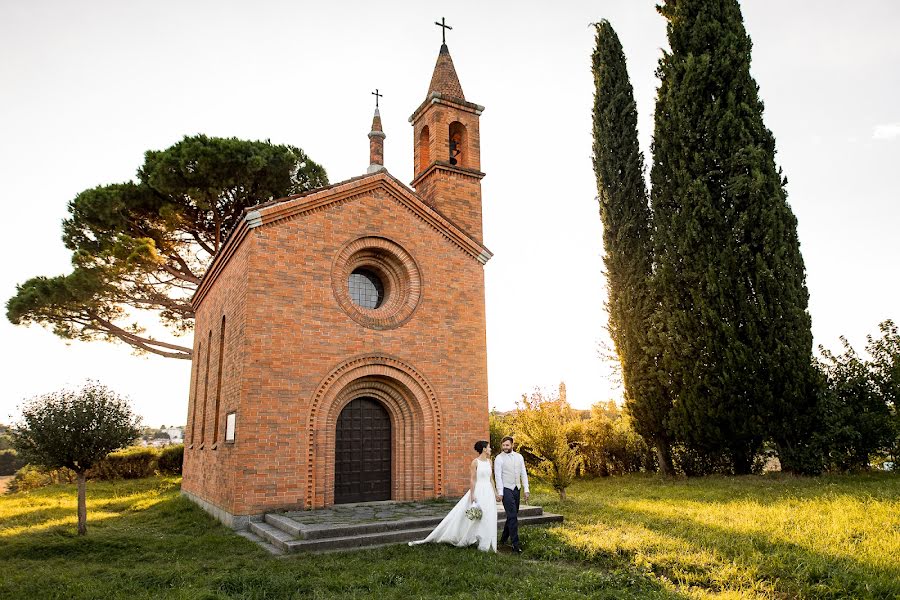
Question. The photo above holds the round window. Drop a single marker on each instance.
(366, 289)
(376, 282)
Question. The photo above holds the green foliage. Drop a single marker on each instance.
(135, 462)
(5, 438)
(608, 444)
(171, 459)
(693, 463)
(500, 427)
(731, 324)
(31, 477)
(74, 428)
(145, 245)
(858, 403)
(884, 366)
(10, 462)
(627, 239)
(541, 426)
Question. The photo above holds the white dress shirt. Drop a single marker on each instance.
(509, 472)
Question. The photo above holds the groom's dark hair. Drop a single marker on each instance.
(507, 438)
(480, 445)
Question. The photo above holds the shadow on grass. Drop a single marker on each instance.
(173, 549)
(791, 567)
(692, 552)
(56, 506)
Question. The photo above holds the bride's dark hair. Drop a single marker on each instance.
(480, 446)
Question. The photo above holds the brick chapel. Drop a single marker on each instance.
(339, 351)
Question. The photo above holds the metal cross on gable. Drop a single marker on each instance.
(377, 96)
(444, 27)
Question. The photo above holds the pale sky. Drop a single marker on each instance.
(87, 87)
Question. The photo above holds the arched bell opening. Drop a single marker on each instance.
(458, 144)
(424, 148)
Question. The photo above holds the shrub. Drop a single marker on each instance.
(694, 463)
(608, 443)
(171, 459)
(541, 427)
(31, 477)
(858, 406)
(131, 463)
(10, 462)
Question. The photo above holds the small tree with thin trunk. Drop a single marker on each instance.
(75, 429)
(540, 431)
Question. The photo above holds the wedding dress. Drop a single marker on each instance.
(458, 529)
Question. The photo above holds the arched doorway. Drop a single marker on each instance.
(362, 453)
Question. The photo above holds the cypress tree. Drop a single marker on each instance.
(732, 321)
(625, 212)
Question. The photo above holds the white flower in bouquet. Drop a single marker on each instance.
(474, 512)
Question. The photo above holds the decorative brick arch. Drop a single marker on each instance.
(417, 453)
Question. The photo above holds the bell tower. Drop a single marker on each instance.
(447, 148)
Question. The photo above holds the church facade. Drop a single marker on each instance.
(339, 351)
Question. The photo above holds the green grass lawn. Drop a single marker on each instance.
(630, 537)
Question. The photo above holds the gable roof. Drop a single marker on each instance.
(274, 211)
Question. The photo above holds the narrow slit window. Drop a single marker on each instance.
(196, 386)
(215, 438)
(205, 390)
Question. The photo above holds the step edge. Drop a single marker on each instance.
(273, 535)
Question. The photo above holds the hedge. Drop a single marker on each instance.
(129, 463)
(10, 462)
(170, 459)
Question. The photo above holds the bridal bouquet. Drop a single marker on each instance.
(474, 512)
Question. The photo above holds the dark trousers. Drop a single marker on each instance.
(511, 506)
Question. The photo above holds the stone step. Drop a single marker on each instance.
(272, 535)
(525, 510)
(369, 540)
(296, 529)
(358, 541)
(264, 544)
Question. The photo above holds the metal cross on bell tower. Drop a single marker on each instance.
(377, 96)
(444, 27)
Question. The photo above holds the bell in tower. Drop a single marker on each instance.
(446, 142)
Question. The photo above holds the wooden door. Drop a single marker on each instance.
(362, 454)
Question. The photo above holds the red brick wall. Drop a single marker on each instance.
(454, 191)
(286, 335)
(209, 468)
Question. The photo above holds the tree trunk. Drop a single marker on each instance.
(562, 494)
(664, 457)
(82, 505)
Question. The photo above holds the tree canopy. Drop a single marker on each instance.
(144, 245)
(627, 239)
(75, 429)
(732, 314)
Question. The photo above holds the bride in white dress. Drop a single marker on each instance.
(457, 528)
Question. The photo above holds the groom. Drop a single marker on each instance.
(509, 472)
